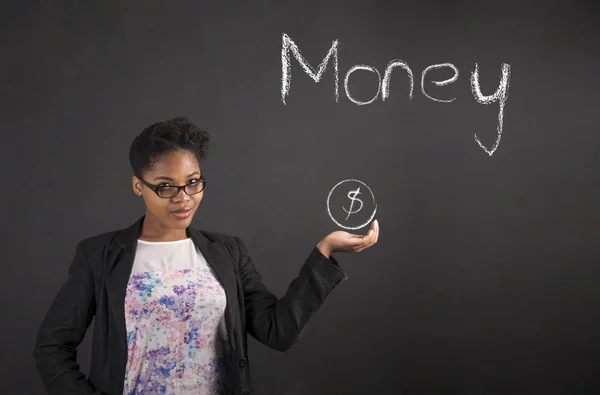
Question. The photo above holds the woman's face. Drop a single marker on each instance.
(175, 168)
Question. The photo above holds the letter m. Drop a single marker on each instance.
(288, 45)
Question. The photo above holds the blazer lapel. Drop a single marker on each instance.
(120, 262)
(216, 255)
(119, 265)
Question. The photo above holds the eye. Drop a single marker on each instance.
(164, 185)
(193, 181)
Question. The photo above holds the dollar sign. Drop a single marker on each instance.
(352, 196)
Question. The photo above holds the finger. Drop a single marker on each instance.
(366, 246)
(376, 231)
(374, 225)
(368, 239)
(356, 241)
(353, 236)
(369, 231)
(368, 242)
(373, 234)
(362, 248)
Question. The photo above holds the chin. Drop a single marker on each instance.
(182, 223)
(175, 223)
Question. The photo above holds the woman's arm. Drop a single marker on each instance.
(63, 329)
(278, 323)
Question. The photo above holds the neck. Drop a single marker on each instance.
(153, 230)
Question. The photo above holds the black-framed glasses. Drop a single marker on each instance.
(168, 192)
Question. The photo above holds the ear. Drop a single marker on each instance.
(136, 185)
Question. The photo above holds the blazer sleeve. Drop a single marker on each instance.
(63, 329)
(279, 323)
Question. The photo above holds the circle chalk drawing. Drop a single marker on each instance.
(352, 195)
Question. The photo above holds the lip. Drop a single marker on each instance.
(182, 213)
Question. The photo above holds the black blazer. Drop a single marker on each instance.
(95, 289)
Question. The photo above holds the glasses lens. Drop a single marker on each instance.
(167, 192)
(194, 188)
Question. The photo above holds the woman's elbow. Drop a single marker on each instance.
(41, 354)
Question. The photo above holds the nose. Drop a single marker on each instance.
(181, 196)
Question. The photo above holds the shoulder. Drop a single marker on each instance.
(99, 246)
(232, 243)
(99, 241)
(228, 239)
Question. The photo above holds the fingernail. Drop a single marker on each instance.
(376, 224)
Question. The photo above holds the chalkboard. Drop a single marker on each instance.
(471, 127)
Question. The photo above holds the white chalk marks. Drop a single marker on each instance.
(286, 69)
(367, 68)
(385, 89)
(351, 190)
(499, 96)
(439, 83)
(383, 86)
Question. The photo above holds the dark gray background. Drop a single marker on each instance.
(485, 279)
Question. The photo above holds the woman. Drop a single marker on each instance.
(173, 304)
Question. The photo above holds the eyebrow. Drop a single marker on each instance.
(170, 179)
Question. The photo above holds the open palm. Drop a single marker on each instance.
(341, 241)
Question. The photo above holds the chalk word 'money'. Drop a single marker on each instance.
(499, 96)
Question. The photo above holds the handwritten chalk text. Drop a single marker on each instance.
(383, 87)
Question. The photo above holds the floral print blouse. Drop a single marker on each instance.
(174, 311)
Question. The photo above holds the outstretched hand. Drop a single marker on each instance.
(340, 241)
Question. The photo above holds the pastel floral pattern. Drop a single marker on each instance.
(176, 337)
